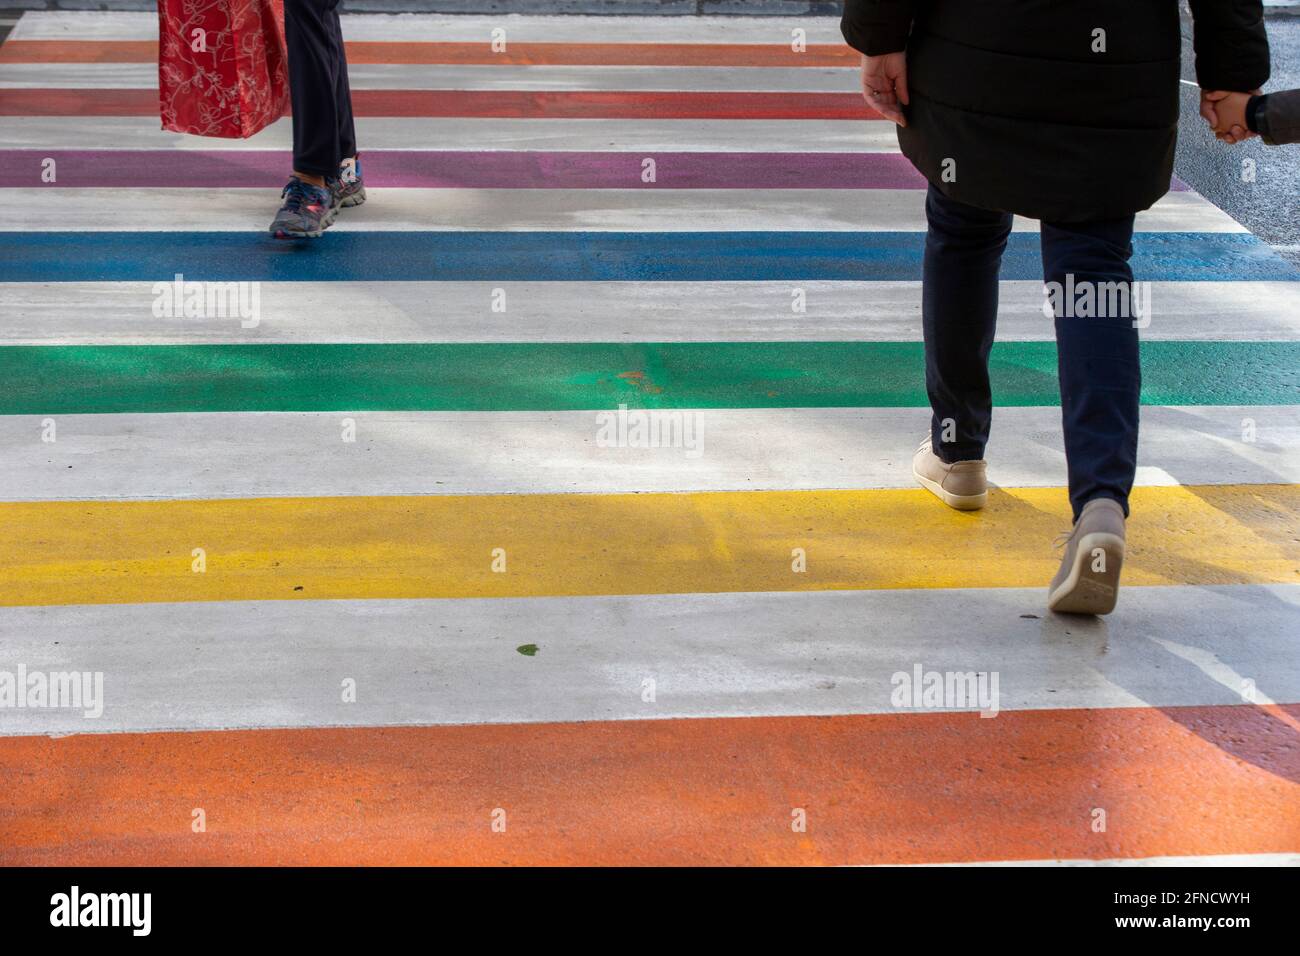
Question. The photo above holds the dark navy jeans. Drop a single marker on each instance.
(1097, 358)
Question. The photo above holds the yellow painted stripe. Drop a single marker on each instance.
(89, 552)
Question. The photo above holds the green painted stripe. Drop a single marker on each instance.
(562, 375)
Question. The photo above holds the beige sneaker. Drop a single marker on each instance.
(961, 485)
(1088, 582)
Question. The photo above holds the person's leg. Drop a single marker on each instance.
(310, 200)
(315, 63)
(1086, 268)
(349, 188)
(1097, 355)
(959, 308)
(347, 133)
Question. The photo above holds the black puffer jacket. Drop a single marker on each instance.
(1040, 114)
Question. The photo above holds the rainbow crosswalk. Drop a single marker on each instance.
(309, 549)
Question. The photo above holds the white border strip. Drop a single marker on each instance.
(237, 665)
(437, 76)
(477, 133)
(642, 209)
(274, 454)
(123, 313)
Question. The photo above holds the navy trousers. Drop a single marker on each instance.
(1097, 357)
(323, 134)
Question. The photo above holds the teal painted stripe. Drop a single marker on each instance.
(544, 376)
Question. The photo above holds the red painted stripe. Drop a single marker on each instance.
(891, 788)
(476, 54)
(505, 104)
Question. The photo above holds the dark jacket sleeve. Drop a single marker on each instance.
(876, 27)
(1277, 119)
(1231, 45)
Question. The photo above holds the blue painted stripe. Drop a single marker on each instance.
(576, 256)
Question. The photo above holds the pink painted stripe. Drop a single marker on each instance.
(471, 169)
(428, 169)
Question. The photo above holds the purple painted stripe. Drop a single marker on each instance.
(471, 170)
(475, 170)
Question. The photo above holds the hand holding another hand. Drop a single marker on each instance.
(1225, 111)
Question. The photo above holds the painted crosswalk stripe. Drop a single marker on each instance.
(575, 375)
(470, 169)
(96, 552)
(591, 256)
(279, 454)
(501, 104)
(465, 53)
(1178, 780)
(122, 313)
(704, 31)
(548, 210)
(481, 169)
(265, 664)
(509, 78)
(615, 210)
(470, 133)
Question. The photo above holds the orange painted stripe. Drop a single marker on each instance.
(79, 51)
(503, 104)
(891, 788)
(476, 54)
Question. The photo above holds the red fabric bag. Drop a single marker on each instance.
(222, 68)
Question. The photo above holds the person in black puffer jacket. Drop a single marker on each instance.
(1064, 111)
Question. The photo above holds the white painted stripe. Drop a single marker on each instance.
(1228, 859)
(209, 666)
(402, 76)
(121, 313)
(383, 132)
(273, 454)
(643, 209)
(421, 27)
